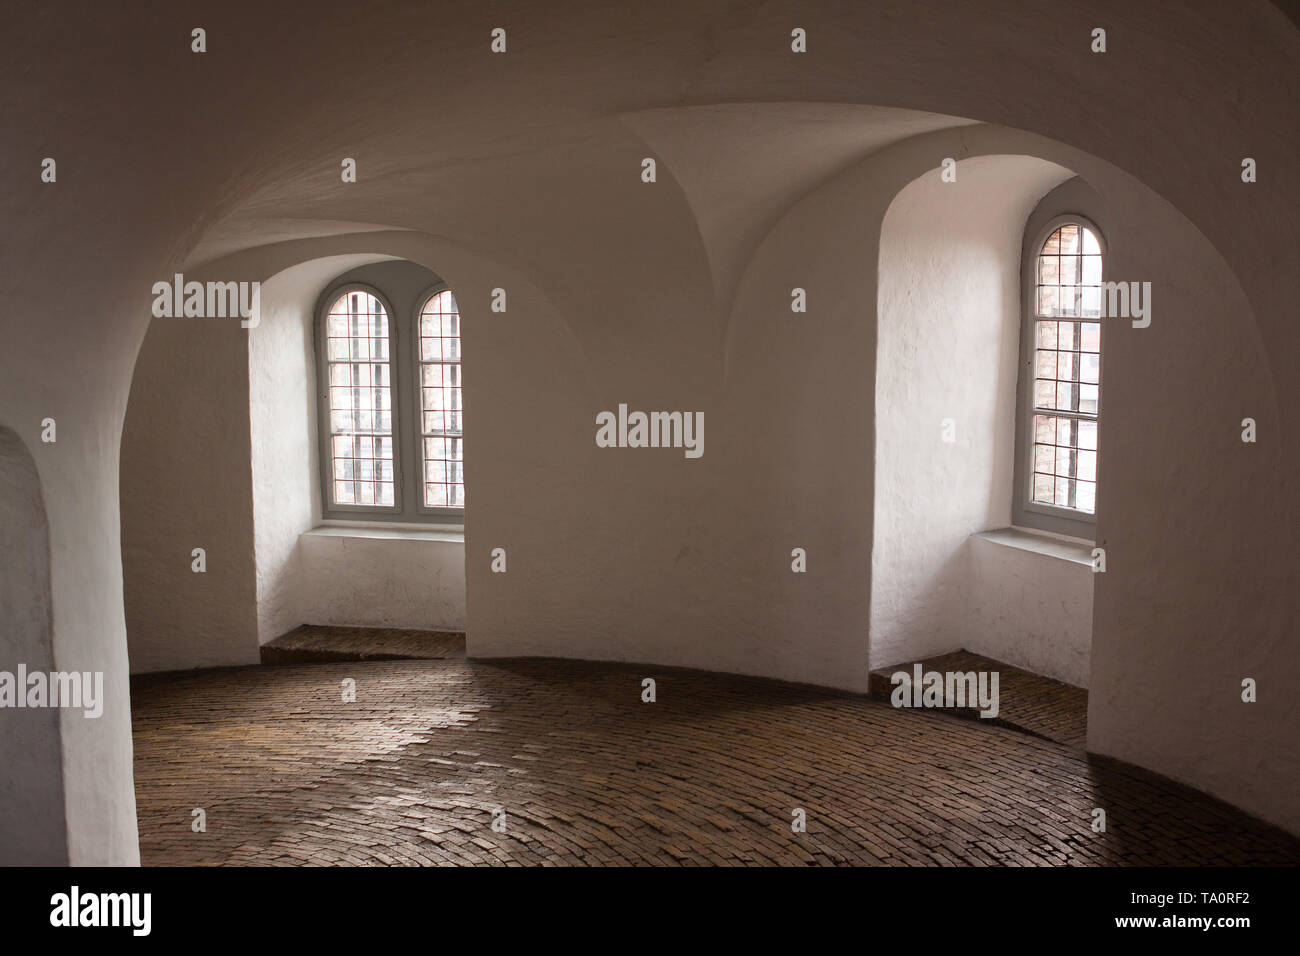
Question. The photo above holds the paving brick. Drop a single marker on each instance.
(410, 773)
(1028, 702)
(315, 644)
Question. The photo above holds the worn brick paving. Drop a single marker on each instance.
(1028, 702)
(588, 774)
(317, 644)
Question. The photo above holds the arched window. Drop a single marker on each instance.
(391, 420)
(441, 406)
(359, 373)
(1061, 411)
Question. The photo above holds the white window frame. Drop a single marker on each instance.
(1026, 512)
(443, 513)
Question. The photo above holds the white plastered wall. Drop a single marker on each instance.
(947, 355)
(382, 576)
(1030, 610)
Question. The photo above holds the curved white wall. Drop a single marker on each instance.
(186, 484)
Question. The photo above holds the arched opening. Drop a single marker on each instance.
(33, 831)
(253, 409)
(347, 534)
(958, 585)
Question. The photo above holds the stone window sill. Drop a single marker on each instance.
(450, 534)
(1075, 550)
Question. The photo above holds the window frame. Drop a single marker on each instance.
(404, 382)
(329, 509)
(1026, 512)
(455, 515)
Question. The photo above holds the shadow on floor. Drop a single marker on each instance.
(1027, 702)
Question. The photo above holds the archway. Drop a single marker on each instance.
(32, 826)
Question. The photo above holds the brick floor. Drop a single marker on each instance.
(588, 774)
(1028, 702)
(314, 644)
